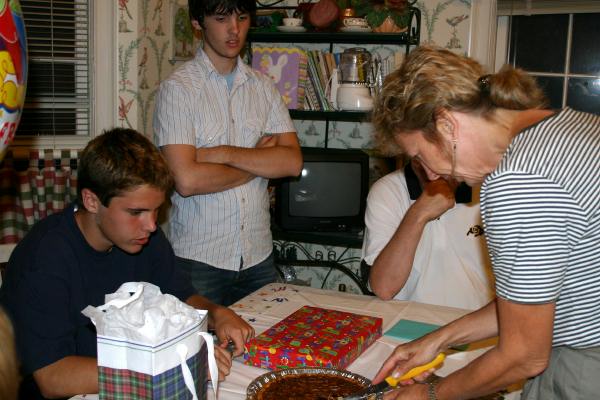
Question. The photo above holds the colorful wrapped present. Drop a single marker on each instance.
(313, 337)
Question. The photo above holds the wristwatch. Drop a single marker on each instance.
(431, 390)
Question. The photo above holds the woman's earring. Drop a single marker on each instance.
(454, 141)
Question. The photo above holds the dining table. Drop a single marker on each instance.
(272, 303)
(269, 305)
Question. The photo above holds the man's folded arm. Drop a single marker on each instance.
(275, 156)
(193, 177)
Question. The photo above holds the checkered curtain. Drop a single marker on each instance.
(33, 188)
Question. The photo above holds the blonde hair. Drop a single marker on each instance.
(9, 369)
(431, 79)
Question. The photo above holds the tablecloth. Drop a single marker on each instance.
(275, 301)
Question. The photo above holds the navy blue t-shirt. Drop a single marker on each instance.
(53, 274)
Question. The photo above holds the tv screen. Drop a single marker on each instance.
(329, 194)
(323, 187)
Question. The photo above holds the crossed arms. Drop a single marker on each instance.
(215, 169)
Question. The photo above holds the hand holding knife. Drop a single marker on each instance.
(372, 391)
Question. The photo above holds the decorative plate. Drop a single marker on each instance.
(284, 28)
(355, 29)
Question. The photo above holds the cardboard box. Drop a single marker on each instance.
(313, 337)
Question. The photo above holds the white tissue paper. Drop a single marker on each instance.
(151, 320)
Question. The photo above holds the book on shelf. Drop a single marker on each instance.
(310, 99)
(312, 85)
(286, 66)
(302, 81)
(323, 69)
(314, 75)
(320, 69)
(330, 61)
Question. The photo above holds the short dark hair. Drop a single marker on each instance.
(199, 9)
(120, 160)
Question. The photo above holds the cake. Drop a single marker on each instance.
(308, 387)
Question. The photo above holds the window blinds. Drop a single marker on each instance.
(58, 95)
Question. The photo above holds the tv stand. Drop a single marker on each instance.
(350, 239)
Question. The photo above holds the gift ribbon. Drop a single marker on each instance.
(212, 365)
(185, 370)
(212, 361)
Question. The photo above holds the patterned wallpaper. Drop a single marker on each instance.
(147, 55)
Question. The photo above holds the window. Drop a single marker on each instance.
(561, 49)
(58, 93)
(64, 106)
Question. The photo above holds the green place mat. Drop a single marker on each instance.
(407, 329)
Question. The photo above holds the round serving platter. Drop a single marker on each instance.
(257, 385)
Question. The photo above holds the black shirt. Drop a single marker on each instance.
(53, 274)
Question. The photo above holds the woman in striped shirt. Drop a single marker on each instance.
(540, 204)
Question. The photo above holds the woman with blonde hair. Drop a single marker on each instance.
(9, 369)
(540, 206)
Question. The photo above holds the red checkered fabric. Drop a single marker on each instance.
(33, 188)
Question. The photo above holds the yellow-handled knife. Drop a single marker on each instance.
(417, 370)
(393, 382)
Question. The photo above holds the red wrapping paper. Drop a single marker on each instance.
(313, 337)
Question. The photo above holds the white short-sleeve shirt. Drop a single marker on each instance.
(451, 266)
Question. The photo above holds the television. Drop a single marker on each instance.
(328, 196)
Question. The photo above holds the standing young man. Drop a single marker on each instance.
(224, 131)
(72, 259)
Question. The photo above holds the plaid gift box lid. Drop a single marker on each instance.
(313, 336)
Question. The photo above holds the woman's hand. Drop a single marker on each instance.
(406, 357)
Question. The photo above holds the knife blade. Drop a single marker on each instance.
(371, 391)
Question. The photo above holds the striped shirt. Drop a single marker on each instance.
(194, 106)
(541, 214)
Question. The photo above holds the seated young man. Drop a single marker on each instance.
(426, 248)
(72, 259)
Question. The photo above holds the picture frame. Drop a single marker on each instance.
(184, 39)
